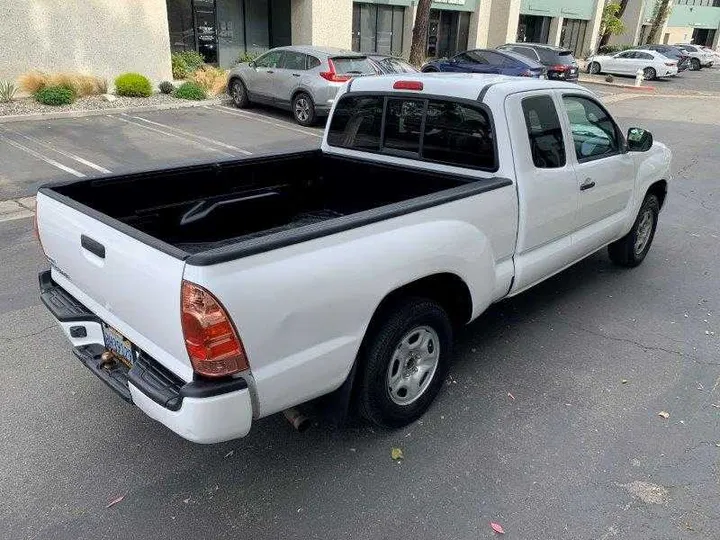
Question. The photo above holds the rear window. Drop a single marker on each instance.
(563, 58)
(434, 130)
(358, 65)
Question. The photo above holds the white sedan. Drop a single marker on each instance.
(652, 63)
(699, 57)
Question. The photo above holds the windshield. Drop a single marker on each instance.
(356, 65)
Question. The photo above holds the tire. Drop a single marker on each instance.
(695, 64)
(404, 363)
(649, 74)
(238, 93)
(303, 109)
(594, 68)
(632, 248)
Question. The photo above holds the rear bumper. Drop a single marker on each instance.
(200, 411)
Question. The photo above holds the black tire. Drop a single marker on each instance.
(594, 68)
(380, 355)
(629, 251)
(695, 64)
(238, 93)
(649, 74)
(303, 109)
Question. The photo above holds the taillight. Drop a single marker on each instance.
(408, 85)
(528, 73)
(212, 343)
(332, 75)
(559, 67)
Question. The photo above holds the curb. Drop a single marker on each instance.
(628, 86)
(110, 110)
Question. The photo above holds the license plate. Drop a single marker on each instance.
(118, 344)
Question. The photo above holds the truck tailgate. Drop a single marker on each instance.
(130, 285)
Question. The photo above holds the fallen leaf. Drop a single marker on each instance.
(664, 414)
(624, 381)
(397, 453)
(700, 386)
(511, 396)
(186, 501)
(230, 453)
(115, 501)
(497, 528)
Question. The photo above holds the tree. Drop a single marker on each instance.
(660, 15)
(419, 34)
(612, 23)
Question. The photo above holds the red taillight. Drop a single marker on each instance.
(559, 67)
(528, 73)
(332, 75)
(408, 85)
(212, 343)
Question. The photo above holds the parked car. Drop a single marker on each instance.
(559, 61)
(488, 61)
(256, 285)
(303, 80)
(652, 63)
(385, 65)
(699, 57)
(673, 53)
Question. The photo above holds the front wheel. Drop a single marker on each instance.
(303, 109)
(649, 74)
(695, 64)
(239, 95)
(594, 68)
(404, 363)
(632, 248)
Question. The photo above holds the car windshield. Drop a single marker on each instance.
(354, 65)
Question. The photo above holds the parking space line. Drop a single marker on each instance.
(39, 156)
(174, 135)
(61, 152)
(259, 118)
(188, 134)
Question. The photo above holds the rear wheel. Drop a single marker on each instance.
(238, 92)
(594, 68)
(303, 109)
(695, 64)
(632, 248)
(649, 73)
(404, 363)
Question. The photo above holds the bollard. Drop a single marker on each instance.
(639, 77)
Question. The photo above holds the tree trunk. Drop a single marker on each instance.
(419, 34)
(662, 14)
(606, 35)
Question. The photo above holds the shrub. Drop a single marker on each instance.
(7, 91)
(133, 85)
(102, 86)
(33, 81)
(213, 80)
(246, 57)
(185, 63)
(166, 87)
(190, 90)
(179, 66)
(80, 83)
(55, 95)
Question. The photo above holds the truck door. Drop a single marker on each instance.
(547, 186)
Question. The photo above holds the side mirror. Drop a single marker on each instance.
(454, 60)
(639, 140)
(251, 64)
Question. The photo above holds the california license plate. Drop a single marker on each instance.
(118, 344)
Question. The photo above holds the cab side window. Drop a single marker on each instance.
(544, 132)
(594, 133)
(269, 60)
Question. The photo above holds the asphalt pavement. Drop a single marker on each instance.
(548, 423)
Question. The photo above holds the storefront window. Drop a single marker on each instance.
(182, 28)
(378, 28)
(256, 26)
(448, 33)
(231, 32)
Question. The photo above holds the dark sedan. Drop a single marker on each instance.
(384, 65)
(488, 61)
(559, 61)
(673, 53)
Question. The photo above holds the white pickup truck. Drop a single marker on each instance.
(215, 294)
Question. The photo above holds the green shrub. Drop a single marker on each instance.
(133, 85)
(179, 66)
(166, 87)
(186, 63)
(190, 90)
(7, 91)
(247, 57)
(55, 95)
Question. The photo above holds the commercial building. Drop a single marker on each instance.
(107, 37)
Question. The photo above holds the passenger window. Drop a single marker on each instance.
(269, 60)
(459, 135)
(594, 132)
(294, 61)
(356, 123)
(312, 62)
(544, 132)
(403, 123)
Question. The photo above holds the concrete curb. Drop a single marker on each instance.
(101, 112)
(628, 86)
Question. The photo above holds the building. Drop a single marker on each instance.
(108, 37)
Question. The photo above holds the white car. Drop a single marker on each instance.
(255, 285)
(652, 63)
(699, 56)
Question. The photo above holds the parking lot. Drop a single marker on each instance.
(548, 423)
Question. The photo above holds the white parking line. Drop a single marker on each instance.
(61, 152)
(169, 134)
(188, 134)
(260, 118)
(42, 158)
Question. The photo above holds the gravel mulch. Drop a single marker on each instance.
(91, 103)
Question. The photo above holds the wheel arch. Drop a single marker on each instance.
(301, 90)
(659, 189)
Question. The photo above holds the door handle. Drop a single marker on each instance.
(270, 71)
(587, 184)
(93, 246)
(296, 74)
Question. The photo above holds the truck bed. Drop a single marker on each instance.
(200, 208)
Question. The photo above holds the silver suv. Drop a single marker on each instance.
(301, 79)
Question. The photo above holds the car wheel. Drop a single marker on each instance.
(649, 74)
(303, 109)
(632, 248)
(404, 363)
(594, 68)
(238, 92)
(695, 64)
